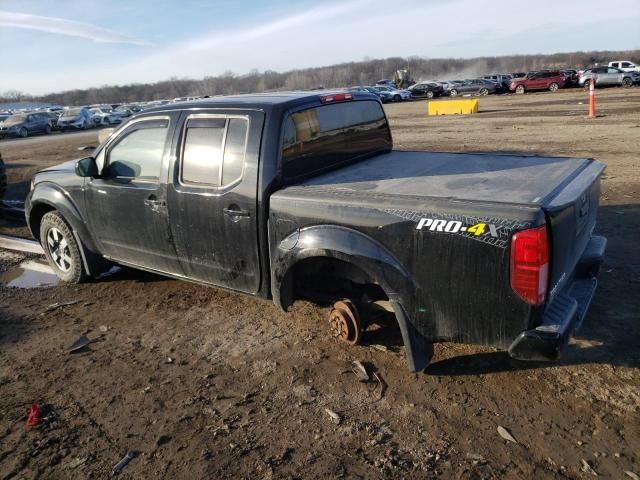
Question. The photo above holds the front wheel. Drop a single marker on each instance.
(554, 87)
(484, 91)
(396, 98)
(627, 82)
(429, 94)
(454, 93)
(24, 133)
(587, 84)
(61, 249)
(47, 129)
(520, 89)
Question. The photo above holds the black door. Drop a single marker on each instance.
(212, 198)
(127, 205)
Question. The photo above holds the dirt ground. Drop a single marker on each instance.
(202, 383)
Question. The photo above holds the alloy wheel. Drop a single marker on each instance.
(59, 249)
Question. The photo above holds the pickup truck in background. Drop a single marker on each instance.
(625, 66)
(293, 196)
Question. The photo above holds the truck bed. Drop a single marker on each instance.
(463, 278)
(495, 178)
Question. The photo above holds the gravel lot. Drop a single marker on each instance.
(203, 383)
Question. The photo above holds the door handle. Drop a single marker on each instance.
(231, 212)
(153, 202)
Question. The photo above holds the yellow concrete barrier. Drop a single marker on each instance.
(453, 107)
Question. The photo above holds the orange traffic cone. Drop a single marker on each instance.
(592, 98)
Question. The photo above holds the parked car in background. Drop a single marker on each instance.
(384, 95)
(53, 117)
(607, 77)
(426, 90)
(396, 95)
(551, 80)
(124, 111)
(625, 65)
(449, 84)
(25, 124)
(571, 77)
(75, 118)
(476, 86)
(103, 116)
(385, 83)
(502, 79)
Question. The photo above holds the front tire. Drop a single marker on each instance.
(554, 87)
(429, 94)
(24, 133)
(396, 98)
(627, 82)
(483, 92)
(454, 93)
(61, 249)
(520, 89)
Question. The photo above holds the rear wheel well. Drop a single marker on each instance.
(35, 217)
(323, 280)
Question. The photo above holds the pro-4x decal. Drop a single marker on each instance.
(494, 231)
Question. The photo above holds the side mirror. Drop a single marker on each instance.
(87, 167)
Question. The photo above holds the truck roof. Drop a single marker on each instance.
(264, 101)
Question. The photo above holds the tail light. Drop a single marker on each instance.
(530, 264)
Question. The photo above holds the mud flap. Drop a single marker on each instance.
(94, 263)
(418, 349)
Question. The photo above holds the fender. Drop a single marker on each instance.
(371, 257)
(46, 193)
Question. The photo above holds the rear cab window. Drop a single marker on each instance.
(325, 137)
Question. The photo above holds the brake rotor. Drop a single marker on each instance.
(345, 323)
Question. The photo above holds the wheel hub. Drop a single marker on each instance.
(345, 323)
(59, 249)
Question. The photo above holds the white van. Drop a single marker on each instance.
(625, 65)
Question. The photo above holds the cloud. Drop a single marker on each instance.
(297, 20)
(66, 27)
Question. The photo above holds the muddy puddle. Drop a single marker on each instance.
(30, 274)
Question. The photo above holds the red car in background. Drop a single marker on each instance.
(543, 80)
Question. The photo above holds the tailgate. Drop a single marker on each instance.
(571, 215)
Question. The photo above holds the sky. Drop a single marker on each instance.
(53, 45)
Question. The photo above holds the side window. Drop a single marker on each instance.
(139, 153)
(202, 154)
(614, 70)
(214, 151)
(624, 65)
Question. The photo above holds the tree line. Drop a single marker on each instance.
(364, 72)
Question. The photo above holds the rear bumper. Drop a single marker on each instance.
(567, 311)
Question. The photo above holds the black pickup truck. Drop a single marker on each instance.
(300, 196)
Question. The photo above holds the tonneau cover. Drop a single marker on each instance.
(514, 179)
